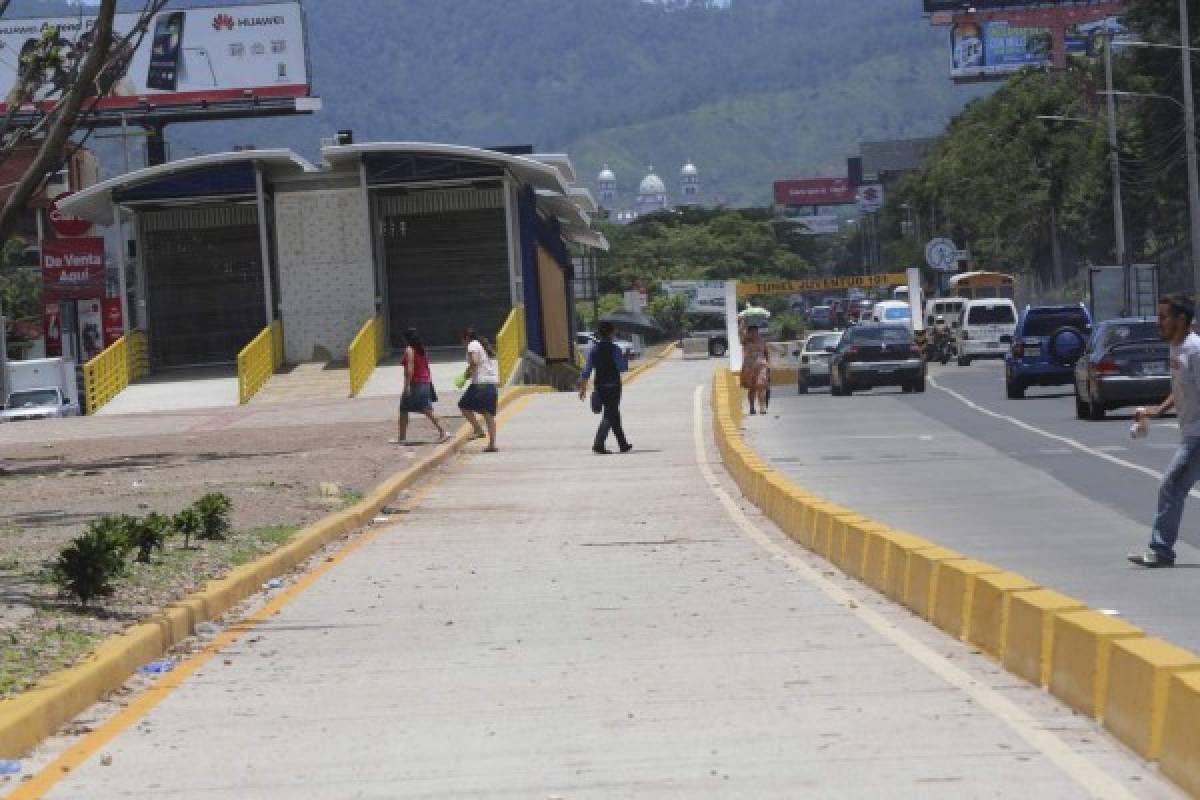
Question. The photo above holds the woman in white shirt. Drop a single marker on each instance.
(482, 394)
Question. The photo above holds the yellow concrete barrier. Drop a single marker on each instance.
(364, 353)
(988, 628)
(839, 525)
(901, 546)
(854, 545)
(1139, 673)
(921, 585)
(955, 594)
(1079, 665)
(1029, 640)
(1179, 758)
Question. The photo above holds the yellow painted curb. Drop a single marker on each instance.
(920, 588)
(1139, 672)
(955, 594)
(900, 547)
(989, 612)
(1180, 757)
(33, 715)
(1082, 649)
(1029, 641)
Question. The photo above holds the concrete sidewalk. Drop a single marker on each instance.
(552, 624)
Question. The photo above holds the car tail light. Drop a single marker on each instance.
(1018, 349)
(1107, 366)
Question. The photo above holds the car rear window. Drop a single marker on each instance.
(819, 343)
(991, 315)
(892, 314)
(819, 311)
(1131, 332)
(891, 334)
(1044, 323)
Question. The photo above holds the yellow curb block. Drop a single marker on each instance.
(33, 715)
(1079, 665)
(920, 588)
(1029, 641)
(1139, 672)
(785, 376)
(989, 612)
(900, 546)
(1180, 757)
(955, 594)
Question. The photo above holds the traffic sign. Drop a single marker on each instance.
(941, 254)
(64, 225)
(870, 198)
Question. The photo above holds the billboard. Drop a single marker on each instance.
(73, 269)
(703, 297)
(187, 57)
(936, 6)
(816, 225)
(745, 289)
(997, 47)
(814, 192)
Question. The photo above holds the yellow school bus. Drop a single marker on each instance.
(977, 285)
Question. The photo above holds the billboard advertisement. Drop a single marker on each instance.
(815, 225)
(814, 192)
(703, 297)
(187, 56)
(73, 269)
(936, 6)
(998, 47)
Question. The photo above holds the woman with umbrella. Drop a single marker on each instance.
(756, 362)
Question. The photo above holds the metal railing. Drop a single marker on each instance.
(258, 361)
(510, 343)
(365, 352)
(106, 375)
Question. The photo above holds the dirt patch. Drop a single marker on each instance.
(49, 492)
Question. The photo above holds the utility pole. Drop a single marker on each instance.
(1114, 158)
(1189, 117)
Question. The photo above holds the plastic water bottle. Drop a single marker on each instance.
(1139, 429)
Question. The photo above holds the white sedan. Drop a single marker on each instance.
(585, 341)
(814, 360)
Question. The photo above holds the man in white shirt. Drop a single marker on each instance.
(1175, 314)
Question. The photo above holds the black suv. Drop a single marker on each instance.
(871, 355)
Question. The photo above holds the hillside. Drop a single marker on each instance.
(763, 89)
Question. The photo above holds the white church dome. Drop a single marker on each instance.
(652, 184)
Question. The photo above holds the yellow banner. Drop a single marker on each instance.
(745, 289)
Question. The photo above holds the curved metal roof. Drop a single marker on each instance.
(95, 203)
(527, 170)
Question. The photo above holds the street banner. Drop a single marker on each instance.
(114, 323)
(73, 269)
(703, 297)
(52, 327)
(188, 55)
(746, 289)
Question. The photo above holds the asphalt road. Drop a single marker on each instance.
(1018, 483)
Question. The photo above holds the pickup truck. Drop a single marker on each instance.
(40, 389)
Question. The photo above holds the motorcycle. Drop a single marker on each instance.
(939, 346)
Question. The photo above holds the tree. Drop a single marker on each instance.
(59, 84)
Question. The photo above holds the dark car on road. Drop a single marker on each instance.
(871, 355)
(1045, 346)
(1126, 364)
(710, 327)
(821, 318)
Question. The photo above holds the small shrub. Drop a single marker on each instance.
(148, 534)
(88, 567)
(188, 523)
(213, 509)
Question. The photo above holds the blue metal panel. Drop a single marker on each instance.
(392, 169)
(232, 179)
(527, 209)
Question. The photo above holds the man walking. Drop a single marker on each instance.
(606, 359)
(1175, 314)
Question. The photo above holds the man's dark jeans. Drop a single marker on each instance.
(610, 399)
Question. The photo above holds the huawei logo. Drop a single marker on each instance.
(222, 22)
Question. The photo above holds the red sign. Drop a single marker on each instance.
(64, 225)
(814, 192)
(73, 269)
(52, 325)
(114, 327)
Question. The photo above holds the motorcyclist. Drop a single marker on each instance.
(941, 338)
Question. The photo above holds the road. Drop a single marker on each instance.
(1019, 483)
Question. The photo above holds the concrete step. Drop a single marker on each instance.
(307, 381)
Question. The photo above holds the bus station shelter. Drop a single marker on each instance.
(435, 236)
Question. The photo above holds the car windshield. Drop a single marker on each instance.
(818, 343)
(897, 313)
(889, 334)
(1123, 332)
(33, 398)
(991, 315)
(1045, 323)
(820, 311)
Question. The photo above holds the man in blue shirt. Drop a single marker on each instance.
(608, 362)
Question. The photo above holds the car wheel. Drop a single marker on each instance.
(1096, 409)
(718, 348)
(1081, 408)
(964, 361)
(1014, 389)
(907, 388)
(802, 385)
(919, 386)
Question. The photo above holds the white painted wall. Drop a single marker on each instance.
(326, 276)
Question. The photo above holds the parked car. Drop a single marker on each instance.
(585, 340)
(873, 355)
(1126, 363)
(815, 356)
(821, 318)
(987, 326)
(1046, 344)
(712, 328)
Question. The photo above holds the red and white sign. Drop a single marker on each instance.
(64, 225)
(814, 192)
(114, 327)
(73, 269)
(52, 326)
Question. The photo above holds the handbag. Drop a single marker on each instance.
(597, 404)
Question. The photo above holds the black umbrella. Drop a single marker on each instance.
(633, 322)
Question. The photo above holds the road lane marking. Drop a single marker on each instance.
(1087, 775)
(78, 753)
(1080, 446)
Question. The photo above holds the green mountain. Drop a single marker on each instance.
(759, 90)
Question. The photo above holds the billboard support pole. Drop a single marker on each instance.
(1114, 158)
(122, 267)
(1189, 118)
(265, 245)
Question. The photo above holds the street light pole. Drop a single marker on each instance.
(1115, 160)
(1189, 117)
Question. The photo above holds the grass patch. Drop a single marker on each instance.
(49, 648)
(259, 541)
(350, 497)
(9, 564)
